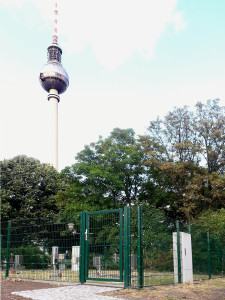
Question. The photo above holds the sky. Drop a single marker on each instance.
(128, 61)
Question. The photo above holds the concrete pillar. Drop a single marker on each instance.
(185, 257)
(75, 258)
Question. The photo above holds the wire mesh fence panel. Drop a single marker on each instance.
(157, 247)
(3, 247)
(104, 246)
(217, 256)
(37, 250)
(137, 245)
(199, 254)
(208, 252)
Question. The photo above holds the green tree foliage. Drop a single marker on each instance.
(185, 156)
(27, 188)
(177, 167)
(209, 124)
(107, 174)
(213, 221)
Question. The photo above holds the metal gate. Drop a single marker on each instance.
(102, 246)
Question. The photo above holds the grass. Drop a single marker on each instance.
(150, 278)
(64, 276)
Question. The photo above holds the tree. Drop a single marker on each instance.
(207, 191)
(28, 188)
(197, 136)
(213, 221)
(209, 123)
(185, 156)
(108, 173)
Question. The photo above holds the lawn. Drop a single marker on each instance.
(150, 278)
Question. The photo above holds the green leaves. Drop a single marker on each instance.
(185, 157)
(178, 167)
(28, 188)
(209, 124)
(213, 221)
(109, 173)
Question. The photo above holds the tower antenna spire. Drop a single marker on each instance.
(55, 34)
(54, 80)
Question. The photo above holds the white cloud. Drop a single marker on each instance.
(114, 28)
(179, 22)
(8, 3)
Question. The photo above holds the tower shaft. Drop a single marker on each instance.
(53, 98)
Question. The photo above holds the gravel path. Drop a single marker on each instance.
(79, 292)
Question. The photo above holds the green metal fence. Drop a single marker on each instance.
(131, 247)
(157, 247)
(103, 247)
(27, 249)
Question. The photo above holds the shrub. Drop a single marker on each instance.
(32, 257)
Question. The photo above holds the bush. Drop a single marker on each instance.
(32, 257)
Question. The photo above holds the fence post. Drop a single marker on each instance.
(209, 255)
(1, 247)
(82, 248)
(127, 263)
(140, 248)
(43, 264)
(189, 228)
(178, 251)
(8, 249)
(121, 244)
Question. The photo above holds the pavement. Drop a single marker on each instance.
(79, 292)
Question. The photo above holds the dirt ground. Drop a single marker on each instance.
(213, 289)
(15, 285)
(203, 290)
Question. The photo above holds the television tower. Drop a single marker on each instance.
(55, 81)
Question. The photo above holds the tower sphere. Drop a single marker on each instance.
(53, 75)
